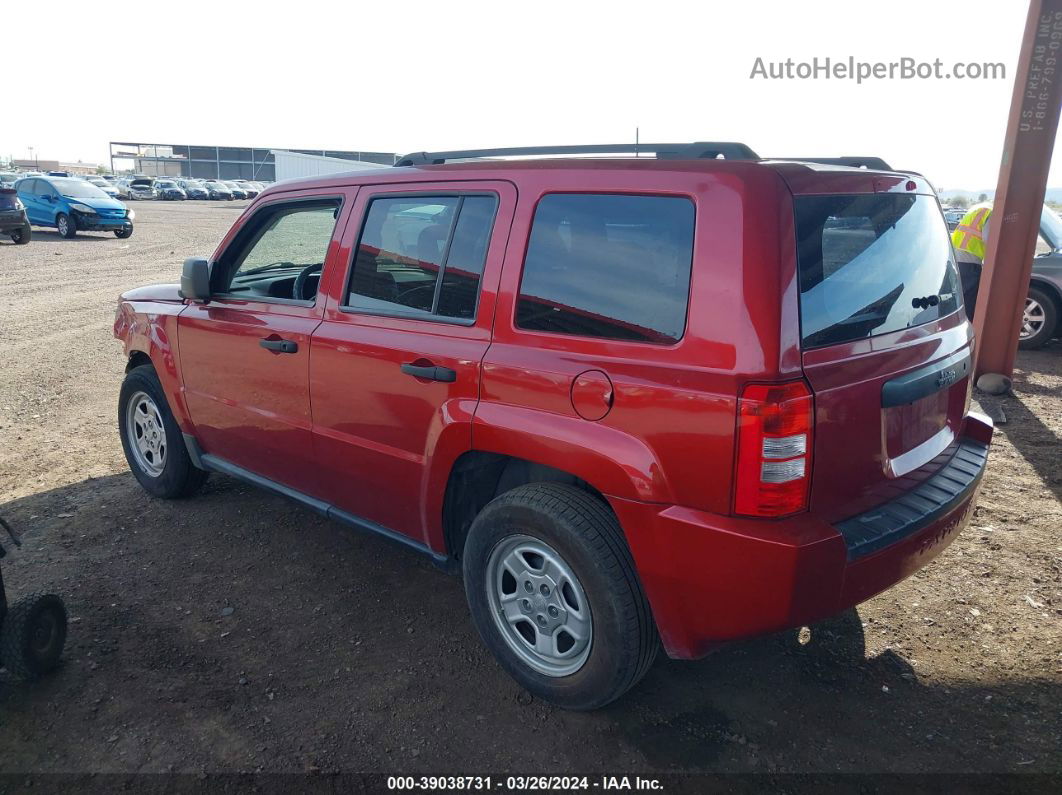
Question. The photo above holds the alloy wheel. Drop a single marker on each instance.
(1032, 319)
(539, 606)
(146, 433)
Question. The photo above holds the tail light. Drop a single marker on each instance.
(774, 449)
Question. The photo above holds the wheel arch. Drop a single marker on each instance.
(478, 476)
(1049, 287)
(148, 331)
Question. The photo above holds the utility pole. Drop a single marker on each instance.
(1015, 219)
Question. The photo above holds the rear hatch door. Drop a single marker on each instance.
(886, 346)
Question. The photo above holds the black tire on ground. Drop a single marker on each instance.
(33, 635)
(124, 232)
(1050, 325)
(22, 236)
(66, 225)
(179, 476)
(586, 534)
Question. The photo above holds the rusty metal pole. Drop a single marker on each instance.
(1015, 219)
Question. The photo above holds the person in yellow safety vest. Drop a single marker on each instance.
(970, 240)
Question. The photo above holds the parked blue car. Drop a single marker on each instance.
(73, 205)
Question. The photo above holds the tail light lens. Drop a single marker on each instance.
(774, 449)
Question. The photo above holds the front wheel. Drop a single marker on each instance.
(22, 236)
(66, 226)
(554, 594)
(1038, 321)
(124, 232)
(33, 635)
(152, 440)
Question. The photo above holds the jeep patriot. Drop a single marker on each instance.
(638, 402)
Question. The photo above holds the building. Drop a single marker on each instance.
(37, 164)
(293, 165)
(219, 162)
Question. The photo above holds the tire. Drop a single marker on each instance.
(581, 534)
(122, 234)
(159, 461)
(22, 236)
(33, 635)
(66, 225)
(1042, 322)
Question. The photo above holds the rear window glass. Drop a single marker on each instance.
(871, 264)
(611, 266)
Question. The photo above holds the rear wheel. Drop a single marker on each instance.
(33, 635)
(554, 594)
(22, 236)
(1039, 320)
(152, 440)
(66, 226)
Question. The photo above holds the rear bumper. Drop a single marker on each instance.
(11, 220)
(712, 579)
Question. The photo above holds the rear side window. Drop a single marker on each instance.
(610, 266)
(422, 256)
(871, 264)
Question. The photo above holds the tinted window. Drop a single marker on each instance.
(422, 255)
(278, 244)
(871, 264)
(608, 266)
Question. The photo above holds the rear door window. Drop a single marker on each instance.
(422, 256)
(610, 266)
(871, 264)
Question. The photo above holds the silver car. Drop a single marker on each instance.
(1043, 305)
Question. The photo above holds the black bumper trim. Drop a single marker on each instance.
(893, 521)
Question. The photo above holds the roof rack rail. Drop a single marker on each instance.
(875, 163)
(707, 149)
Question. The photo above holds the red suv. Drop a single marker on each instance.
(673, 400)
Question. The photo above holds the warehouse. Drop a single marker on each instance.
(219, 162)
(293, 165)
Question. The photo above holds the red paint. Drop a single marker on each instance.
(652, 427)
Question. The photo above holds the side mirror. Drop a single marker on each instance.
(195, 279)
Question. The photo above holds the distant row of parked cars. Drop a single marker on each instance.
(179, 189)
(164, 188)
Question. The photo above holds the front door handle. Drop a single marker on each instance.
(280, 346)
(430, 372)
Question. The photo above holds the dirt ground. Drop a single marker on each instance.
(238, 632)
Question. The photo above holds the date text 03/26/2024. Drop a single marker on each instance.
(521, 783)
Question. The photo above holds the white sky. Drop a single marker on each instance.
(405, 76)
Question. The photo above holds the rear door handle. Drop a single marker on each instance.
(280, 346)
(431, 372)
